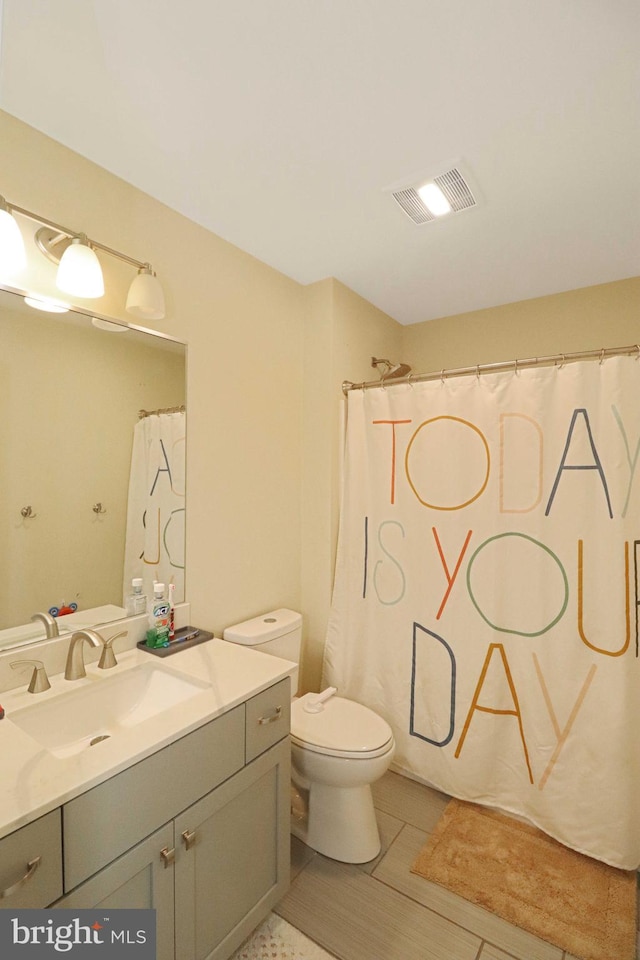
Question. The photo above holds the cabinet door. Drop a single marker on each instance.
(142, 878)
(232, 858)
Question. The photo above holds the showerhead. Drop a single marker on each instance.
(397, 370)
(391, 371)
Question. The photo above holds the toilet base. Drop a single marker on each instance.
(340, 823)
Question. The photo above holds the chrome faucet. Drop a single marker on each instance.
(108, 657)
(74, 669)
(50, 624)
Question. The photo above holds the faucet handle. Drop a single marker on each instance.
(39, 679)
(108, 657)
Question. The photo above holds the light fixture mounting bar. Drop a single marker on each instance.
(76, 233)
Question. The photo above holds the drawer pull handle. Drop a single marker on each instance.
(272, 719)
(167, 856)
(32, 866)
(189, 837)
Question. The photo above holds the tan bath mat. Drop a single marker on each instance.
(518, 872)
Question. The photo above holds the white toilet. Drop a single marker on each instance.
(338, 749)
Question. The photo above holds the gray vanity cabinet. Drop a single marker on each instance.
(220, 860)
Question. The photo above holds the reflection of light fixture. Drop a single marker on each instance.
(101, 324)
(12, 255)
(79, 273)
(48, 306)
(145, 298)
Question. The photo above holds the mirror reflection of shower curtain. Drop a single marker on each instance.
(155, 536)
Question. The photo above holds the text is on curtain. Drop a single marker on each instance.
(486, 596)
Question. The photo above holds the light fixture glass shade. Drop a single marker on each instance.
(146, 298)
(12, 254)
(80, 273)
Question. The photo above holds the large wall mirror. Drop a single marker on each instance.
(72, 389)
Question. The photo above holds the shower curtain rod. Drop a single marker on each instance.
(515, 365)
(154, 413)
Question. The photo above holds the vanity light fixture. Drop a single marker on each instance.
(12, 253)
(79, 272)
(145, 298)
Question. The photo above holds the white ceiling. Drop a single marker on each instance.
(279, 125)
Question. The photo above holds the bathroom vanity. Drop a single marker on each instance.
(185, 811)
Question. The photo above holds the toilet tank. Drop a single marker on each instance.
(278, 633)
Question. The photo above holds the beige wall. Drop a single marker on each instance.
(342, 333)
(607, 315)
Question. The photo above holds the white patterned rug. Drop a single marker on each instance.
(276, 939)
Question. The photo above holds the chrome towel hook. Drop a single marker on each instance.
(27, 513)
(98, 508)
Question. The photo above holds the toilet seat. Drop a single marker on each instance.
(342, 728)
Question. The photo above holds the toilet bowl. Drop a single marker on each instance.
(338, 749)
(337, 752)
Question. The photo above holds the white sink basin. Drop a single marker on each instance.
(104, 708)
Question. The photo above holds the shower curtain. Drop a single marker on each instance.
(155, 544)
(486, 594)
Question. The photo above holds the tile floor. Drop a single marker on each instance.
(381, 911)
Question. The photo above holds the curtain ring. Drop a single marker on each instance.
(442, 371)
(515, 368)
(602, 356)
(562, 362)
(638, 349)
(477, 371)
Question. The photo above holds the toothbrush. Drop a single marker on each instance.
(172, 627)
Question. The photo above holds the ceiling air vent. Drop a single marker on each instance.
(453, 186)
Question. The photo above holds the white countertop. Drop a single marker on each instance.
(34, 781)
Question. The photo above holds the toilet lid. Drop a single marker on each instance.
(342, 726)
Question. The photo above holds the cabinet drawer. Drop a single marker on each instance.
(31, 864)
(268, 718)
(104, 822)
